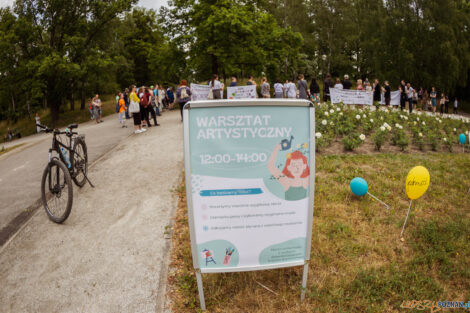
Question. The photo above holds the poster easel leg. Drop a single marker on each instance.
(200, 288)
(304, 281)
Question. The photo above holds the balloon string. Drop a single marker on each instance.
(386, 205)
(406, 219)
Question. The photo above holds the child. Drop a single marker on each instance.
(122, 110)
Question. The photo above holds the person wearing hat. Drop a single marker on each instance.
(346, 82)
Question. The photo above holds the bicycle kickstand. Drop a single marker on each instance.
(88, 180)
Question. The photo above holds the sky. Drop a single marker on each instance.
(149, 4)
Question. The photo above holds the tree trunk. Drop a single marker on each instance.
(82, 97)
(215, 65)
(53, 100)
(72, 101)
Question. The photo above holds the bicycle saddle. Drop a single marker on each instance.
(72, 126)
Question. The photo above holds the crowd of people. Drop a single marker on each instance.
(139, 103)
(410, 97)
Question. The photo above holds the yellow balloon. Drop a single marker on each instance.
(417, 182)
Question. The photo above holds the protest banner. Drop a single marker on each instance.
(394, 98)
(241, 92)
(201, 92)
(250, 170)
(351, 96)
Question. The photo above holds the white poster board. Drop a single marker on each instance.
(241, 92)
(347, 96)
(394, 98)
(199, 92)
(244, 160)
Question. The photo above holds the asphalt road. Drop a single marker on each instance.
(21, 169)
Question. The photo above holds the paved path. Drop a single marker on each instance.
(110, 255)
(21, 169)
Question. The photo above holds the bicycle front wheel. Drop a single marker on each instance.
(57, 191)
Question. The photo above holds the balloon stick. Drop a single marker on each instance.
(386, 205)
(403, 229)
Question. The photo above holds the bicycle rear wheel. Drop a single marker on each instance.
(57, 191)
(80, 162)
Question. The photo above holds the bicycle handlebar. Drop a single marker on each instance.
(57, 131)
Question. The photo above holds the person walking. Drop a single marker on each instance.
(97, 107)
(338, 84)
(265, 88)
(171, 97)
(327, 84)
(291, 90)
(346, 82)
(403, 95)
(315, 91)
(183, 95)
(122, 111)
(410, 92)
(134, 109)
(433, 96)
(387, 93)
(217, 87)
(377, 91)
(456, 104)
(278, 89)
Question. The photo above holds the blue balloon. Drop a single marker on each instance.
(359, 186)
(462, 138)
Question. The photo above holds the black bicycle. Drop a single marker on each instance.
(70, 162)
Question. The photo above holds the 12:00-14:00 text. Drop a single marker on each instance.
(237, 158)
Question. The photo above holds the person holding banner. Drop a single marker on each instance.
(403, 95)
(183, 94)
(387, 93)
(338, 84)
(265, 88)
(278, 89)
(315, 91)
(216, 86)
(377, 91)
(346, 82)
(433, 99)
(327, 84)
(233, 83)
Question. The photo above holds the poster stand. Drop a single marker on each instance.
(311, 188)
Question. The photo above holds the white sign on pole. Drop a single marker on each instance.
(394, 98)
(351, 96)
(250, 170)
(241, 92)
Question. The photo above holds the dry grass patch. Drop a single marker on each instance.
(358, 263)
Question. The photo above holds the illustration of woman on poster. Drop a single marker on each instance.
(295, 175)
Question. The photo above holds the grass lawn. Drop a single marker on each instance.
(27, 126)
(4, 150)
(358, 263)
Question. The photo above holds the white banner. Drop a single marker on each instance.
(241, 92)
(394, 98)
(199, 92)
(351, 96)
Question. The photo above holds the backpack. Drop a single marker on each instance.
(144, 100)
(184, 93)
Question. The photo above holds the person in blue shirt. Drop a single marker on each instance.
(171, 96)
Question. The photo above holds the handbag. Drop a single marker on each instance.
(210, 96)
(134, 107)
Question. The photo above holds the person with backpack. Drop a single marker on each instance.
(147, 105)
(183, 95)
(135, 110)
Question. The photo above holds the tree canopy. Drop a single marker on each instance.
(54, 52)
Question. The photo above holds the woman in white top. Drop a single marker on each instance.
(338, 84)
(216, 86)
(278, 89)
(291, 90)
